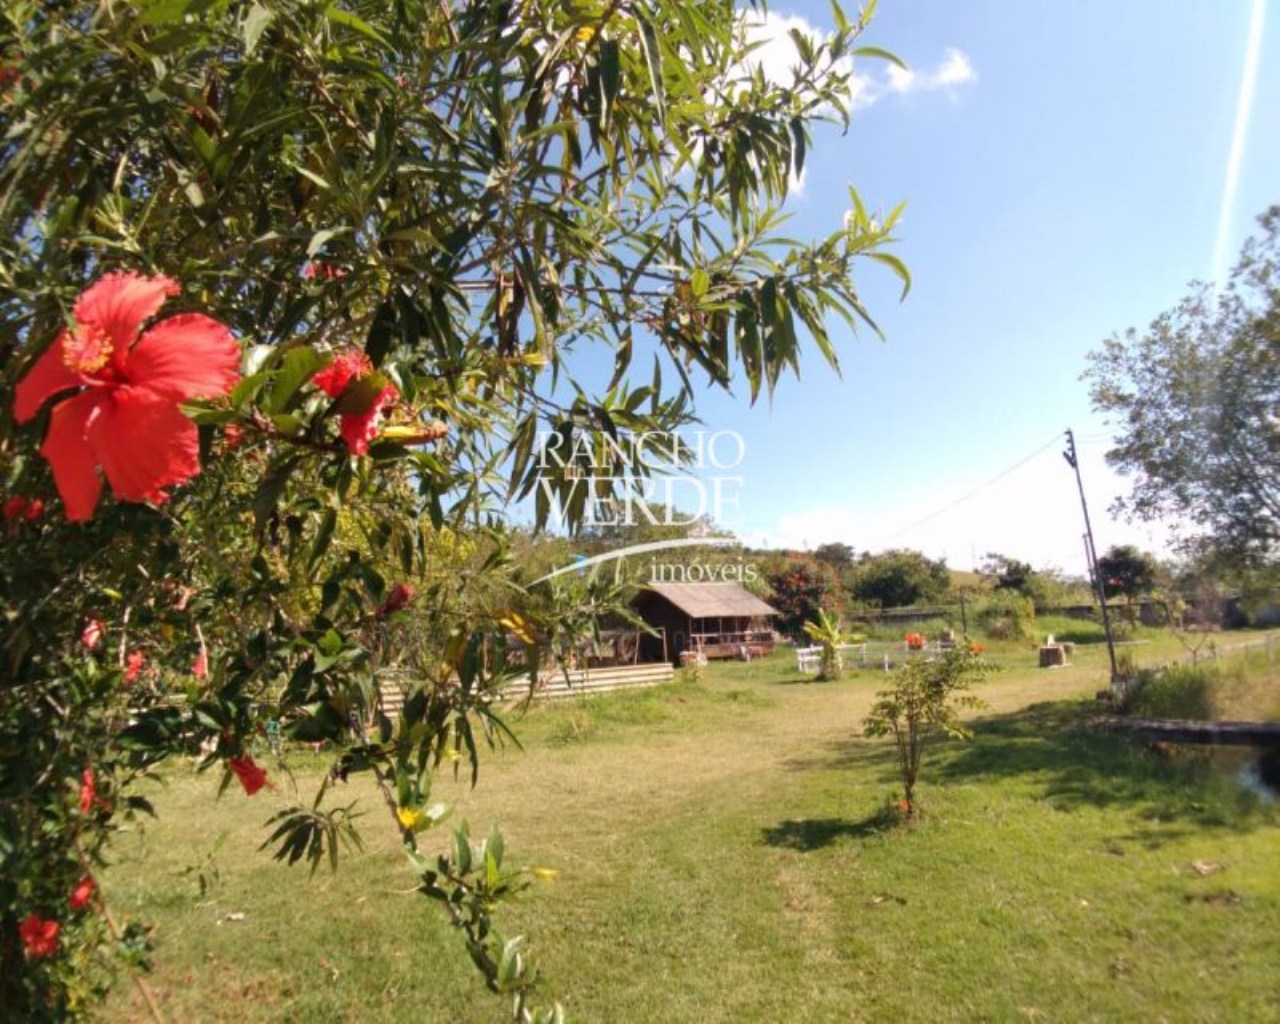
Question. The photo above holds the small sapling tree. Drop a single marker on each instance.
(825, 631)
(925, 700)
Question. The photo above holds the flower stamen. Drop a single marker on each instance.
(86, 350)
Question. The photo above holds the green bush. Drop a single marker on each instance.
(1006, 615)
(1180, 691)
(1073, 630)
(893, 631)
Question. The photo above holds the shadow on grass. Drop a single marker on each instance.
(1050, 750)
(807, 834)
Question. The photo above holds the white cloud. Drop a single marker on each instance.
(776, 56)
(954, 71)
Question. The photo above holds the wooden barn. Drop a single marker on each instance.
(721, 620)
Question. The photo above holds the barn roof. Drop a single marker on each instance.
(712, 600)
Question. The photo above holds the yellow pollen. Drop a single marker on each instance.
(86, 350)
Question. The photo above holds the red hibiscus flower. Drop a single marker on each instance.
(88, 791)
(82, 893)
(351, 377)
(346, 367)
(251, 776)
(133, 666)
(15, 507)
(359, 428)
(39, 936)
(92, 634)
(123, 414)
(319, 270)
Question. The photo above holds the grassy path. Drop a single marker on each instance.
(722, 858)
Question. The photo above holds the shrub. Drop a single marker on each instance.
(825, 631)
(1006, 615)
(1180, 691)
(925, 700)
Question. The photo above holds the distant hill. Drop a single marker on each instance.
(959, 578)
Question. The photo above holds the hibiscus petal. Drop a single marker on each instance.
(144, 444)
(359, 428)
(48, 376)
(67, 449)
(185, 356)
(120, 303)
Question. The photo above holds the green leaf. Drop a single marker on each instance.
(653, 59)
(324, 536)
(610, 76)
(298, 366)
(270, 490)
(337, 16)
(361, 394)
(877, 52)
(255, 23)
(319, 239)
(169, 12)
(247, 388)
(897, 266)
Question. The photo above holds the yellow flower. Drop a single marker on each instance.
(546, 874)
(408, 817)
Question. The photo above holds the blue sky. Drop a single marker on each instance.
(1064, 168)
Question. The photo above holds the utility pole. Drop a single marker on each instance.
(1091, 557)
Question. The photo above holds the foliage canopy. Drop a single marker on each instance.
(1194, 401)
(448, 203)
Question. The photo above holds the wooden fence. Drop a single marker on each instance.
(577, 683)
(587, 682)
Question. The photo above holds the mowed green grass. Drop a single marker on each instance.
(723, 856)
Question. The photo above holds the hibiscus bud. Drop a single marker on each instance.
(81, 894)
(34, 511)
(400, 596)
(88, 791)
(15, 507)
(92, 634)
(407, 434)
(133, 665)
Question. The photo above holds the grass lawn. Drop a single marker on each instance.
(723, 856)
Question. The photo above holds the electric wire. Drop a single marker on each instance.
(1056, 439)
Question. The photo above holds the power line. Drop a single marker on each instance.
(1055, 439)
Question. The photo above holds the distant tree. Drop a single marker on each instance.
(895, 579)
(1127, 572)
(838, 556)
(639, 522)
(1005, 573)
(1195, 399)
(800, 593)
(1046, 587)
